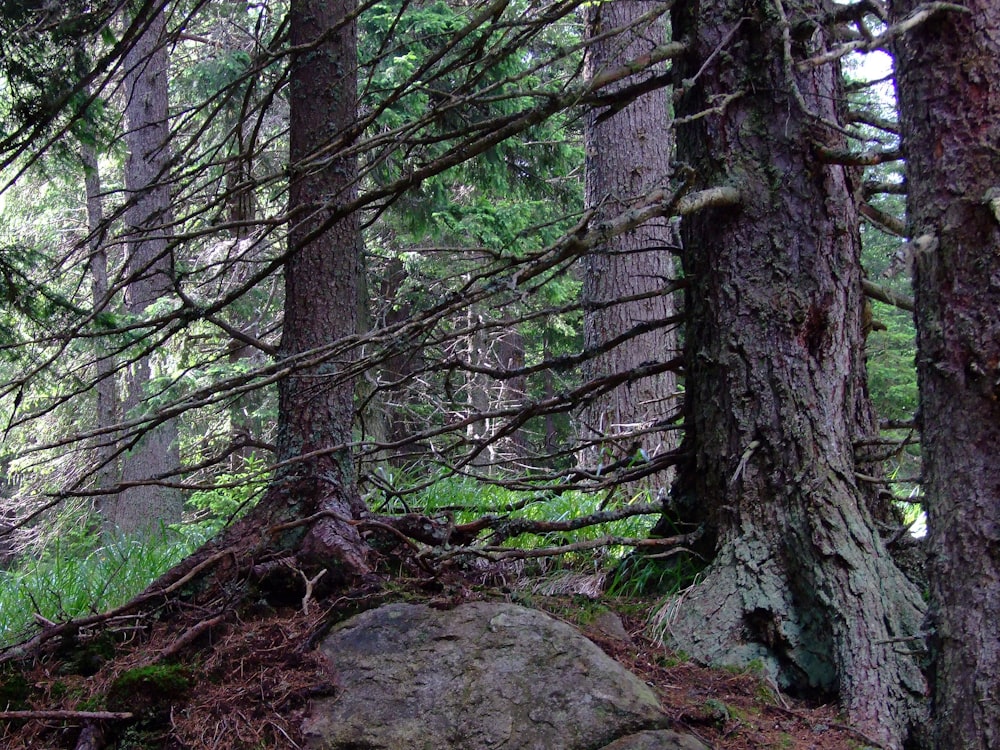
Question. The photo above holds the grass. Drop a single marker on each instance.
(81, 574)
(469, 500)
(68, 580)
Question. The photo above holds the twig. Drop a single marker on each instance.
(189, 636)
(310, 583)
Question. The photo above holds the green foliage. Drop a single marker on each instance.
(642, 575)
(231, 497)
(405, 77)
(79, 576)
(43, 68)
(892, 375)
(467, 500)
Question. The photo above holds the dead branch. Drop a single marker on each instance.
(881, 187)
(511, 527)
(190, 636)
(856, 158)
(919, 16)
(883, 221)
(887, 296)
(867, 118)
(66, 715)
(497, 554)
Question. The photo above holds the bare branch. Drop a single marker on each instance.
(887, 296)
(881, 42)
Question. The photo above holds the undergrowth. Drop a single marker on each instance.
(84, 573)
(69, 580)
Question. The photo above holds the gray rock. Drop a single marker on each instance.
(659, 739)
(479, 676)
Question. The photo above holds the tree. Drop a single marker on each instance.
(322, 277)
(107, 402)
(947, 73)
(141, 507)
(628, 146)
(800, 579)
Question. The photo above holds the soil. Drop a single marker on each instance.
(240, 676)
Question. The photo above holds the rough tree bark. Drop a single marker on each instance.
(948, 80)
(800, 580)
(142, 507)
(628, 154)
(322, 276)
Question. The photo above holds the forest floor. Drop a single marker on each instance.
(241, 676)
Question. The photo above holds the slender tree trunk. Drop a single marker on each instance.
(244, 426)
(389, 418)
(322, 277)
(801, 580)
(628, 154)
(510, 354)
(149, 268)
(949, 95)
(106, 394)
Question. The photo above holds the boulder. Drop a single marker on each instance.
(657, 739)
(479, 676)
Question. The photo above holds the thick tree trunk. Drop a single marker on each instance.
(949, 95)
(628, 154)
(801, 580)
(140, 509)
(322, 276)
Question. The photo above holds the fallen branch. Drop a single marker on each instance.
(505, 528)
(497, 554)
(190, 636)
(66, 715)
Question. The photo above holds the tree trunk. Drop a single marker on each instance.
(948, 79)
(244, 424)
(322, 277)
(106, 405)
(389, 418)
(628, 154)
(801, 580)
(149, 269)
